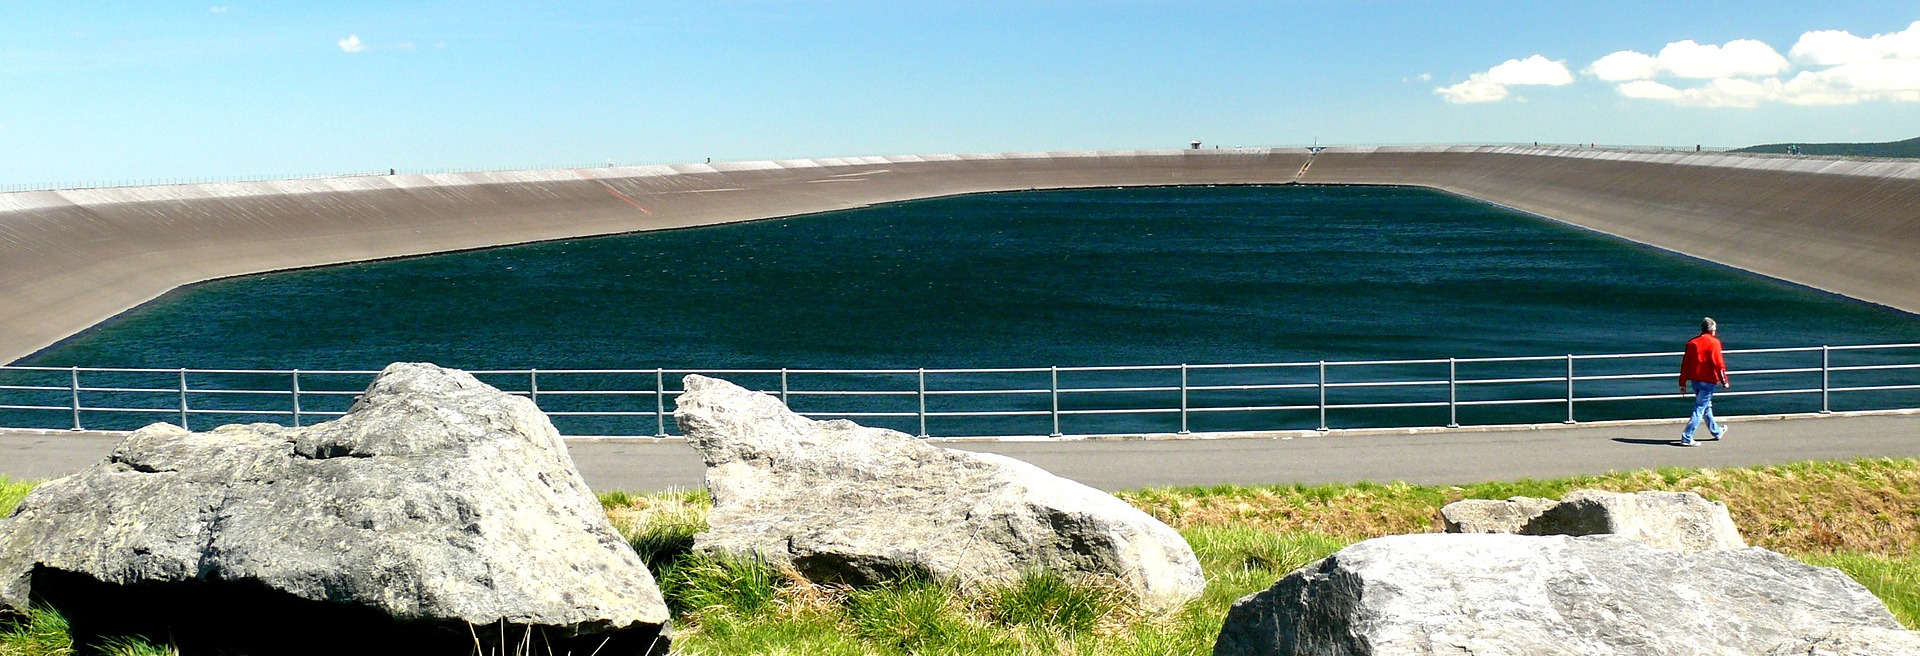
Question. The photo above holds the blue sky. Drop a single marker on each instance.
(102, 91)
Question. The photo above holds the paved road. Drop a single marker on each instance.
(1434, 457)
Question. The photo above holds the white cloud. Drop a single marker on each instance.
(1491, 85)
(1425, 77)
(1625, 65)
(1838, 47)
(1837, 68)
(217, 9)
(404, 45)
(351, 44)
(1740, 57)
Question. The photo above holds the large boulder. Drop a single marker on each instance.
(843, 502)
(438, 511)
(1513, 595)
(1672, 520)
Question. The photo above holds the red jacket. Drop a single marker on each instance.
(1703, 361)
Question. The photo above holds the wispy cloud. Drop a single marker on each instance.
(1492, 85)
(352, 44)
(217, 9)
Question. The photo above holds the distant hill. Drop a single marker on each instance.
(1905, 148)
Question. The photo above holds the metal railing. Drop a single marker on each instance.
(1156, 398)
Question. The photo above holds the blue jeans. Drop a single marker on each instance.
(1702, 407)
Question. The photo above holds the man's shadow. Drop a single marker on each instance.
(1643, 441)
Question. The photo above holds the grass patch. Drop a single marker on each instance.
(11, 492)
(43, 632)
(1895, 581)
(1860, 506)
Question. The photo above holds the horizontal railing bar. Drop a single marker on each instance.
(975, 413)
(1622, 376)
(1416, 404)
(1621, 356)
(1524, 358)
(195, 390)
(967, 392)
(1762, 372)
(1511, 401)
(1391, 383)
(598, 413)
(62, 408)
(169, 390)
(555, 392)
(1122, 411)
(1864, 347)
(35, 388)
(991, 370)
(1254, 365)
(1092, 390)
(1869, 388)
(858, 414)
(847, 392)
(1497, 381)
(1785, 349)
(1358, 363)
(212, 411)
(1142, 367)
(1871, 367)
(1253, 408)
(1201, 388)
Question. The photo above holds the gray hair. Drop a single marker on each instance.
(1707, 325)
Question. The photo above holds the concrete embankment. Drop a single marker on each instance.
(70, 259)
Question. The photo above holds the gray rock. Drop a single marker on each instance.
(1492, 516)
(1604, 595)
(839, 501)
(437, 502)
(1670, 520)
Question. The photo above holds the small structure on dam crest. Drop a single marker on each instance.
(843, 502)
(438, 511)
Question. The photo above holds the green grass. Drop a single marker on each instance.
(1895, 581)
(43, 632)
(11, 492)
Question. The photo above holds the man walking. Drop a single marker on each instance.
(1702, 370)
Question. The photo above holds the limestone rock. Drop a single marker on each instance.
(844, 502)
(437, 502)
(1512, 595)
(1670, 520)
(1492, 516)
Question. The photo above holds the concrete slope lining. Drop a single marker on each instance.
(70, 259)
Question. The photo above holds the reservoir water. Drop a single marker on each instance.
(1084, 277)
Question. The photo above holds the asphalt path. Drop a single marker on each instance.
(1436, 456)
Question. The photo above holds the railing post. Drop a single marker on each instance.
(660, 401)
(1183, 398)
(73, 385)
(1323, 395)
(923, 402)
(783, 386)
(1054, 388)
(1569, 388)
(533, 386)
(296, 398)
(1453, 395)
(1823, 379)
(183, 399)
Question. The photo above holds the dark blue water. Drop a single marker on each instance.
(1095, 277)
